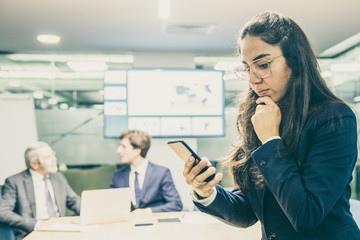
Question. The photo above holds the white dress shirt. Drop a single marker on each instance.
(141, 177)
(40, 195)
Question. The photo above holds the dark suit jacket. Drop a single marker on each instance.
(158, 192)
(306, 198)
(17, 208)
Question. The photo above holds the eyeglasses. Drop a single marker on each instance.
(260, 67)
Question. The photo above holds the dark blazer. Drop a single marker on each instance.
(158, 192)
(307, 197)
(18, 209)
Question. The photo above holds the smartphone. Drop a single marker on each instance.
(184, 151)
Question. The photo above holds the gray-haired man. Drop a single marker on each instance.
(37, 193)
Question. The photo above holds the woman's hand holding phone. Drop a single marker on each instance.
(197, 181)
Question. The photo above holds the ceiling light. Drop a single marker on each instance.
(225, 66)
(48, 39)
(14, 84)
(124, 58)
(196, 29)
(53, 101)
(164, 9)
(28, 67)
(87, 66)
(98, 106)
(38, 95)
(341, 46)
(356, 99)
(64, 106)
(47, 75)
(230, 77)
(345, 67)
(326, 74)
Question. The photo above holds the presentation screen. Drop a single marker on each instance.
(164, 103)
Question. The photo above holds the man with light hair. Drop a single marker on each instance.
(37, 193)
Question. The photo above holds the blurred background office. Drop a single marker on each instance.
(62, 76)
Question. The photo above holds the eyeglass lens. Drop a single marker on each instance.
(260, 68)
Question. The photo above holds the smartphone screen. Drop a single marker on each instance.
(184, 151)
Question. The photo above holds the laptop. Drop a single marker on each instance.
(105, 206)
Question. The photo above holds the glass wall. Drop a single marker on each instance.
(69, 103)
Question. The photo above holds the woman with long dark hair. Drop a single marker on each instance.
(297, 146)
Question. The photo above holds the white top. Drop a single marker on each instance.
(272, 138)
(141, 177)
(206, 201)
(40, 195)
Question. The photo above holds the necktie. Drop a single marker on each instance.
(137, 190)
(49, 203)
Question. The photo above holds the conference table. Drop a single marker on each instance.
(156, 226)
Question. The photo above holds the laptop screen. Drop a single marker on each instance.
(105, 205)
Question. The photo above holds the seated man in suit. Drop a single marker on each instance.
(151, 185)
(37, 193)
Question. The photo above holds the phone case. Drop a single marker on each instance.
(184, 152)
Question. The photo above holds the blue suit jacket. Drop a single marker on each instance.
(306, 198)
(158, 192)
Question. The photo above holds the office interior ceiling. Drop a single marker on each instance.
(118, 28)
(133, 25)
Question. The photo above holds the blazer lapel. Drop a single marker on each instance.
(29, 189)
(147, 182)
(126, 177)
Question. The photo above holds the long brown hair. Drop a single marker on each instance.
(306, 92)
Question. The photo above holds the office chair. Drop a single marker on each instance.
(355, 210)
(6, 232)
